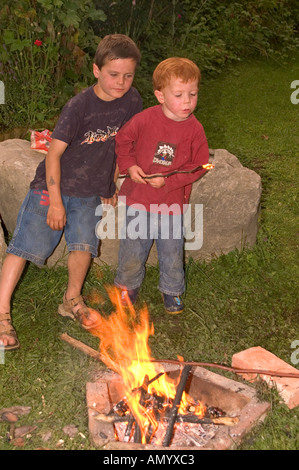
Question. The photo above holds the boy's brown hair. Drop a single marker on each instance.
(177, 67)
(116, 46)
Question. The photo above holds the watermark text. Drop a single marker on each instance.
(2, 353)
(295, 354)
(2, 93)
(295, 94)
(162, 221)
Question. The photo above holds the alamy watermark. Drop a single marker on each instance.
(2, 93)
(295, 94)
(295, 354)
(2, 353)
(162, 220)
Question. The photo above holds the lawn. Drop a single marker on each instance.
(237, 301)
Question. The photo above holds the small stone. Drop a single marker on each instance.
(24, 430)
(47, 436)
(9, 417)
(70, 430)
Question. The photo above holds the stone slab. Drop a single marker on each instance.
(259, 358)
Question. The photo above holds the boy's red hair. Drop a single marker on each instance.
(177, 67)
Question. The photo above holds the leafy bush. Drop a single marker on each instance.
(48, 45)
(44, 53)
(228, 31)
(213, 34)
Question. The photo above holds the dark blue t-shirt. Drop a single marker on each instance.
(89, 125)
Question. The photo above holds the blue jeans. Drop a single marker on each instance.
(139, 234)
(35, 241)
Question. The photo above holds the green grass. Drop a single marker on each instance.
(240, 300)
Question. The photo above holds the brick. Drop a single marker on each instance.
(261, 359)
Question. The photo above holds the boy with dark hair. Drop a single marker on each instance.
(77, 174)
(163, 139)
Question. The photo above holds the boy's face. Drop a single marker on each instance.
(115, 78)
(178, 99)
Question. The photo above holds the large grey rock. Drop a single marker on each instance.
(222, 215)
(230, 195)
(17, 168)
(18, 163)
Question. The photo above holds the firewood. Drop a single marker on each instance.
(81, 346)
(224, 420)
(175, 405)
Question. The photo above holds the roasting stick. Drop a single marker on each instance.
(96, 355)
(208, 166)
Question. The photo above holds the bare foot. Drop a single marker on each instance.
(8, 336)
(88, 317)
(76, 309)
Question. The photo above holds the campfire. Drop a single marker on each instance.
(154, 407)
(140, 402)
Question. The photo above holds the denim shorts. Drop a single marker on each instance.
(35, 241)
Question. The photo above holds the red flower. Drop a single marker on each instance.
(37, 42)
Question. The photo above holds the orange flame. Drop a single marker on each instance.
(208, 166)
(124, 348)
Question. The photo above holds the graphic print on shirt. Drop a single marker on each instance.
(99, 135)
(164, 154)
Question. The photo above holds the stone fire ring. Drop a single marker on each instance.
(235, 398)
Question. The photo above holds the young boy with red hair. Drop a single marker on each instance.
(161, 139)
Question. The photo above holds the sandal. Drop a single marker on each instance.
(83, 313)
(8, 330)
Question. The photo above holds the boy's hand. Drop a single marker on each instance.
(136, 174)
(157, 182)
(56, 218)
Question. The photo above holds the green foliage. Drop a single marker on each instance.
(44, 55)
(228, 31)
(40, 77)
(211, 32)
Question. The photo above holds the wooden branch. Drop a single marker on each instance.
(96, 355)
(81, 346)
(175, 405)
(224, 420)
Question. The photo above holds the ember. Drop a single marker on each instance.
(152, 401)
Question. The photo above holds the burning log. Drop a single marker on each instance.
(224, 420)
(121, 408)
(149, 382)
(128, 432)
(176, 404)
(137, 433)
(180, 418)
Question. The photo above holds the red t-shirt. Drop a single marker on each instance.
(159, 145)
